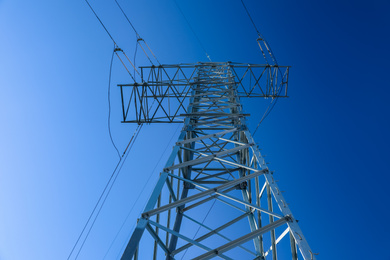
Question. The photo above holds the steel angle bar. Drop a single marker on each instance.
(178, 235)
(160, 106)
(155, 84)
(194, 205)
(206, 137)
(237, 164)
(218, 190)
(157, 238)
(212, 182)
(213, 232)
(243, 239)
(201, 112)
(134, 240)
(213, 115)
(207, 192)
(297, 233)
(174, 233)
(170, 189)
(262, 190)
(219, 108)
(188, 79)
(231, 141)
(219, 93)
(207, 99)
(215, 175)
(220, 122)
(285, 232)
(212, 102)
(257, 81)
(250, 205)
(206, 158)
(216, 196)
(208, 151)
(214, 128)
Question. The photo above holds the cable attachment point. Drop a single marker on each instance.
(118, 49)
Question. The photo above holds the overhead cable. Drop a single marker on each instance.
(109, 104)
(104, 194)
(261, 38)
(266, 113)
(127, 18)
(139, 39)
(196, 36)
(104, 27)
(139, 195)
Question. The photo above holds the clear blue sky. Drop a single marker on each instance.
(328, 143)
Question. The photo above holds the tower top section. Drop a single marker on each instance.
(164, 89)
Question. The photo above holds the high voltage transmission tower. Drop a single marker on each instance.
(215, 197)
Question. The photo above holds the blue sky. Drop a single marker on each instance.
(328, 142)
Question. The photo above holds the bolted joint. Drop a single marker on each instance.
(188, 185)
(241, 186)
(289, 218)
(188, 128)
(145, 215)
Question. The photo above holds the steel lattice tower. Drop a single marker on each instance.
(216, 197)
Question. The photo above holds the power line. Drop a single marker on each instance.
(111, 181)
(116, 45)
(109, 104)
(261, 38)
(139, 39)
(189, 25)
(109, 190)
(139, 195)
(269, 109)
(266, 114)
(268, 47)
(250, 17)
(204, 219)
(124, 156)
(127, 18)
(101, 22)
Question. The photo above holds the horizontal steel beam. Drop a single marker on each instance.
(207, 158)
(243, 239)
(222, 187)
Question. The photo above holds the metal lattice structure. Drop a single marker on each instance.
(169, 86)
(216, 197)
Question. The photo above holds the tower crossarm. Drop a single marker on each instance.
(163, 95)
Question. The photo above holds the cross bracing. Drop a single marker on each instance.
(161, 96)
(215, 197)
